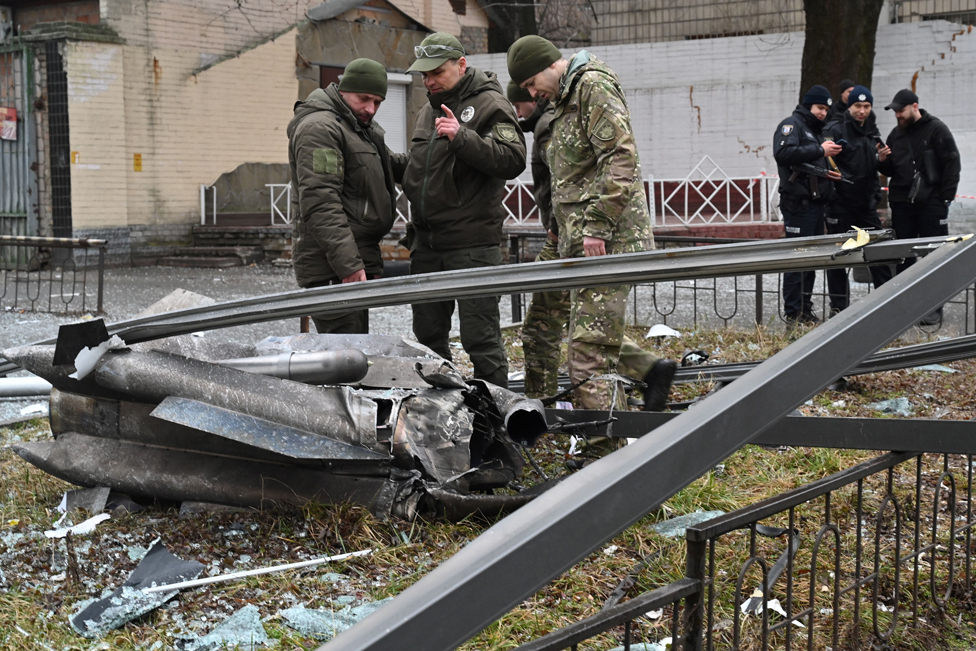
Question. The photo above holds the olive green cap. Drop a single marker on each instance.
(516, 93)
(444, 48)
(364, 76)
(529, 56)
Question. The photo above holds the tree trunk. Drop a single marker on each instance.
(840, 38)
(509, 22)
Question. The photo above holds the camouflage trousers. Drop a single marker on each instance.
(542, 332)
(597, 345)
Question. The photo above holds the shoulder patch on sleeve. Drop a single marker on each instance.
(505, 131)
(787, 129)
(326, 161)
(605, 129)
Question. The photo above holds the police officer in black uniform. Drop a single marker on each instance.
(855, 203)
(838, 108)
(805, 187)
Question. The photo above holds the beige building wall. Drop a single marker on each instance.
(189, 123)
(200, 87)
(96, 104)
(190, 129)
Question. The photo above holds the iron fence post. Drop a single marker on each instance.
(759, 299)
(101, 276)
(514, 255)
(693, 615)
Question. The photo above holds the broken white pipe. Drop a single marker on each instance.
(240, 575)
(21, 387)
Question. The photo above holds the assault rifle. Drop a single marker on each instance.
(813, 173)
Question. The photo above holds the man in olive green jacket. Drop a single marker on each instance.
(343, 197)
(466, 143)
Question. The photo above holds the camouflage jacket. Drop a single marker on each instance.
(597, 189)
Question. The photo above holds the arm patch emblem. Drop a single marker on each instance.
(787, 129)
(325, 161)
(506, 132)
(605, 129)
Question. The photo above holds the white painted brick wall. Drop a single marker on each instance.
(744, 86)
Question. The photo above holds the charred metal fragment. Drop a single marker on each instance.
(162, 426)
(159, 473)
(260, 433)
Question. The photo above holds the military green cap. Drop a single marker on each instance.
(434, 50)
(529, 56)
(516, 93)
(364, 76)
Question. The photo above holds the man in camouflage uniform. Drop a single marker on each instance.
(344, 197)
(545, 320)
(598, 201)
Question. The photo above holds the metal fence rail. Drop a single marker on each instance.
(906, 547)
(51, 274)
(737, 301)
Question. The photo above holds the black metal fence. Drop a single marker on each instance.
(868, 554)
(52, 274)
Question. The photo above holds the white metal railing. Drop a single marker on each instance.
(518, 201)
(280, 191)
(203, 204)
(526, 211)
(707, 195)
(401, 217)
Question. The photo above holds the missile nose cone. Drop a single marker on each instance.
(35, 453)
(36, 359)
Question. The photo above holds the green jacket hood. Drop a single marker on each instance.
(577, 63)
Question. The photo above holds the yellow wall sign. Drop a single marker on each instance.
(136, 162)
(75, 158)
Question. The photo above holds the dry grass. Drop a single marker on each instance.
(36, 601)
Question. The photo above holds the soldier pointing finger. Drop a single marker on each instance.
(466, 144)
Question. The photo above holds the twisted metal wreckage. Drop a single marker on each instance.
(159, 414)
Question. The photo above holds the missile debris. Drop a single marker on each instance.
(392, 426)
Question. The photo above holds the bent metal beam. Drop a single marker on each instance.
(522, 553)
(768, 256)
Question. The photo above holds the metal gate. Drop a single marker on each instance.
(18, 146)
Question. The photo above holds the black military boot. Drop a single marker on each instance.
(658, 380)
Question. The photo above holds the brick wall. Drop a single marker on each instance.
(724, 97)
(149, 242)
(82, 11)
(474, 39)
